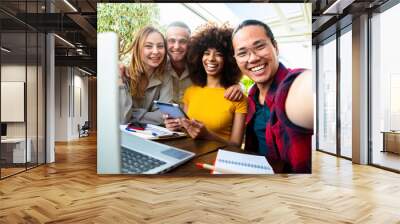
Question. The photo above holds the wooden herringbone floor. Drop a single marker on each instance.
(70, 191)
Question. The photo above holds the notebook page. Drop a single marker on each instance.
(163, 131)
(238, 163)
(153, 132)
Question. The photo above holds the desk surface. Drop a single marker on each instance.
(13, 140)
(206, 152)
(390, 132)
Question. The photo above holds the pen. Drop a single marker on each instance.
(143, 132)
(211, 167)
(205, 166)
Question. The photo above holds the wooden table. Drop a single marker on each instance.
(391, 141)
(206, 152)
(13, 151)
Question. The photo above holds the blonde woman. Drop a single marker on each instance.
(145, 81)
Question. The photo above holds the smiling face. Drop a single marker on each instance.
(255, 54)
(213, 61)
(177, 43)
(153, 51)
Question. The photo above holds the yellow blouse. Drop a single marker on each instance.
(208, 105)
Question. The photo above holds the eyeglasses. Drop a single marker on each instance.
(259, 49)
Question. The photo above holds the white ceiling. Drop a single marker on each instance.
(290, 22)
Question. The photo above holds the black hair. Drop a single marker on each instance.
(253, 22)
(218, 37)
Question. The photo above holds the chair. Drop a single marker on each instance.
(84, 130)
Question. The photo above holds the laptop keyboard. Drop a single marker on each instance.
(135, 163)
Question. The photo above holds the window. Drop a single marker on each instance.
(22, 62)
(327, 96)
(346, 94)
(385, 88)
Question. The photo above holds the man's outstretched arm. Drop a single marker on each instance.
(300, 102)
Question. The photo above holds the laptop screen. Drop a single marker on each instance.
(108, 144)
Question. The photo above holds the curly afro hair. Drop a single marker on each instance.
(212, 36)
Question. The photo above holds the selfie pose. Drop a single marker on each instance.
(280, 119)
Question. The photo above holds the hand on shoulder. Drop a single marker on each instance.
(234, 93)
(123, 74)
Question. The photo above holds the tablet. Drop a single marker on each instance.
(173, 110)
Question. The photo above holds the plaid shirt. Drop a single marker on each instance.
(285, 141)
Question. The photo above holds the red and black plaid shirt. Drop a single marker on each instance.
(285, 141)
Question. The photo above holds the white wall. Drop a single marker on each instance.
(61, 103)
(80, 110)
(33, 126)
(71, 102)
(12, 73)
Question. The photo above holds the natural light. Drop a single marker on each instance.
(290, 23)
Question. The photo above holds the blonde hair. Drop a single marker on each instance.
(138, 78)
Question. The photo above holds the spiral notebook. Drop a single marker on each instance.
(239, 163)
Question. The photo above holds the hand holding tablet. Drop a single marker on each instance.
(171, 109)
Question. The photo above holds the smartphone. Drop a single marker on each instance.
(136, 126)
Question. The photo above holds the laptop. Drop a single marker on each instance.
(141, 156)
(118, 151)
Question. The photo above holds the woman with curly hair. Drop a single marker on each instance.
(212, 69)
(145, 81)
